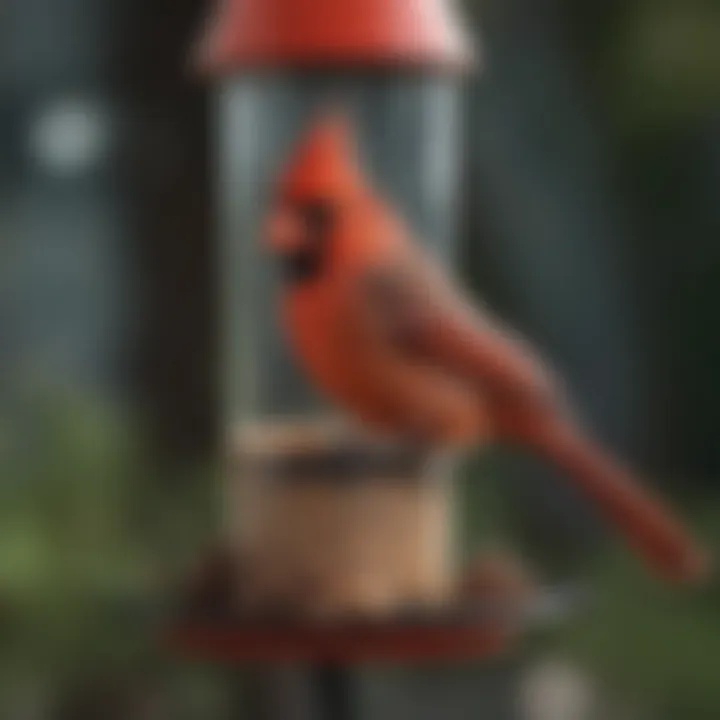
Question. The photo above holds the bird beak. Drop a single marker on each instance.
(284, 232)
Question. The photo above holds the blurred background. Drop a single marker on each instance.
(591, 221)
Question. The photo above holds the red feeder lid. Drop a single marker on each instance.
(311, 33)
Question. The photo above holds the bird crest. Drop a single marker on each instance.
(326, 162)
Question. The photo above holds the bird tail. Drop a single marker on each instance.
(648, 526)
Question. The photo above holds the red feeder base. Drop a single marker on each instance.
(458, 640)
(495, 607)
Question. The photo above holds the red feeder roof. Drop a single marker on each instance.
(318, 33)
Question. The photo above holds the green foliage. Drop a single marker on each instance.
(89, 531)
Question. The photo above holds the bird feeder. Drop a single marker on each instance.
(324, 528)
(395, 67)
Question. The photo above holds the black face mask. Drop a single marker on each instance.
(301, 266)
(306, 263)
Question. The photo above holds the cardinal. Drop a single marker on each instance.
(378, 327)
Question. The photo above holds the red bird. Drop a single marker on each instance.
(382, 332)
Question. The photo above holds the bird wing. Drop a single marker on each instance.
(421, 313)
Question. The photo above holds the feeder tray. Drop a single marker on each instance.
(391, 642)
(490, 612)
